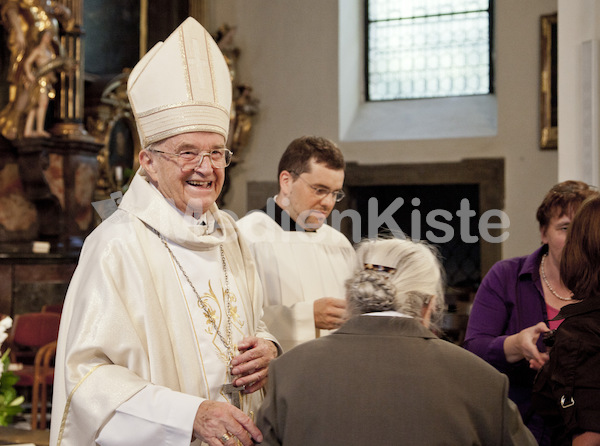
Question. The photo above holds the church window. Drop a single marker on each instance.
(428, 49)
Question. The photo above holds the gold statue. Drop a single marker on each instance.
(40, 86)
(33, 42)
(224, 38)
(246, 106)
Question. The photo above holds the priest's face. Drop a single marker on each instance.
(309, 197)
(191, 189)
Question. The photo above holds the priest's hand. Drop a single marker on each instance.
(218, 423)
(252, 363)
(330, 313)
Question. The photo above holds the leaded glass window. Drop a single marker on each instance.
(428, 48)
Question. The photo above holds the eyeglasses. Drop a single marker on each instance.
(189, 160)
(322, 192)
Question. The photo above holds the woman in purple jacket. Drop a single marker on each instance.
(517, 299)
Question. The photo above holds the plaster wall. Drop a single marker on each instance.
(579, 90)
(301, 71)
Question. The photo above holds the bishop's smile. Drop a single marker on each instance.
(200, 184)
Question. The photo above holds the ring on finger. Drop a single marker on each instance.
(225, 437)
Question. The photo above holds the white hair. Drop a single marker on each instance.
(416, 277)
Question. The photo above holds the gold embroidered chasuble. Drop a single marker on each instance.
(126, 321)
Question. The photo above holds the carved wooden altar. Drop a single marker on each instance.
(46, 183)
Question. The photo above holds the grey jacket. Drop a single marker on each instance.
(382, 380)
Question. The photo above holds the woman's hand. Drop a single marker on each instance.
(522, 345)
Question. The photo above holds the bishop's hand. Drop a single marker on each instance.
(251, 365)
(218, 423)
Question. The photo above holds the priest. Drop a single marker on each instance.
(302, 261)
(161, 339)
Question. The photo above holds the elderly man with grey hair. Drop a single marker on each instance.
(161, 338)
(384, 377)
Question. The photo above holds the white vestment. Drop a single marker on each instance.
(134, 348)
(296, 268)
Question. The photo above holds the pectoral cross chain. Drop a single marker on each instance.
(234, 394)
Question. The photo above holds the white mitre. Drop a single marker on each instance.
(181, 85)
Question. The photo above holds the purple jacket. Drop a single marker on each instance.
(509, 299)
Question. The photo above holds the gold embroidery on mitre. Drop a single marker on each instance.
(176, 105)
(188, 84)
(211, 68)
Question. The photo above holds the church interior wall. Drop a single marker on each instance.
(579, 90)
(302, 60)
(290, 56)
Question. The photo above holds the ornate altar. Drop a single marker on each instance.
(244, 105)
(48, 165)
(111, 122)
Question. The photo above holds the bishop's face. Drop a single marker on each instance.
(191, 190)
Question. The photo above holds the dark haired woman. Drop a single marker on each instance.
(568, 385)
(518, 299)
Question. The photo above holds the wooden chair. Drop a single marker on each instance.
(43, 378)
(32, 341)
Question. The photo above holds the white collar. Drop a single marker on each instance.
(145, 202)
(387, 313)
(206, 220)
